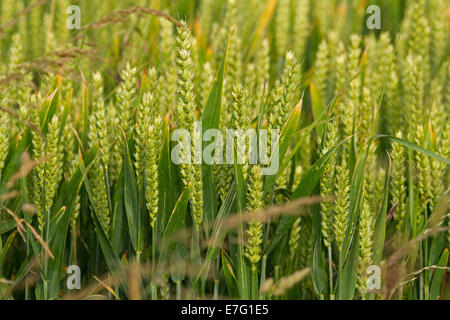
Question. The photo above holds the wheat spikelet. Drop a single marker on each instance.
(98, 137)
(282, 26)
(294, 238)
(168, 78)
(365, 230)
(125, 95)
(301, 23)
(398, 180)
(191, 173)
(4, 135)
(342, 204)
(254, 230)
(352, 98)
(53, 164)
(327, 185)
(322, 68)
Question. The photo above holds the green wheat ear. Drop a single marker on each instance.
(395, 117)
(125, 96)
(283, 97)
(322, 69)
(342, 204)
(168, 77)
(398, 180)
(340, 70)
(419, 40)
(414, 86)
(18, 89)
(120, 117)
(352, 98)
(115, 161)
(439, 173)
(282, 26)
(7, 10)
(205, 83)
(4, 133)
(38, 152)
(365, 230)
(438, 30)
(284, 92)
(151, 170)
(365, 116)
(258, 81)
(301, 22)
(233, 72)
(240, 120)
(185, 113)
(51, 43)
(53, 164)
(48, 172)
(384, 63)
(241, 117)
(294, 238)
(370, 175)
(206, 16)
(327, 185)
(99, 122)
(61, 29)
(68, 142)
(98, 136)
(382, 86)
(255, 202)
(423, 170)
(75, 162)
(148, 144)
(147, 112)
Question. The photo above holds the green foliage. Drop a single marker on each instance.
(87, 175)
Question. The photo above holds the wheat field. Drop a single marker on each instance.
(93, 95)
